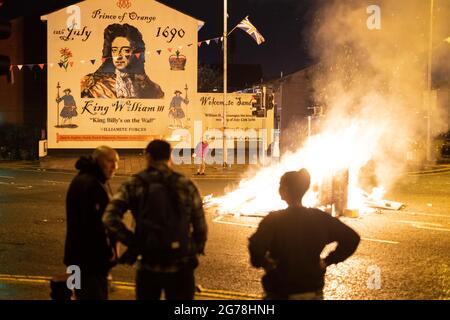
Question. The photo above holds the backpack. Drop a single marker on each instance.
(162, 225)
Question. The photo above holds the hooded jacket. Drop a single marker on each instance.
(87, 244)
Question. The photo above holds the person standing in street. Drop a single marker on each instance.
(288, 244)
(170, 230)
(201, 150)
(87, 244)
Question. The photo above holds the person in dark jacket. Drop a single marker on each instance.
(154, 273)
(87, 244)
(288, 244)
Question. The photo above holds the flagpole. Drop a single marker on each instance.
(225, 67)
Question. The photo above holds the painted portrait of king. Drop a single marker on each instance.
(122, 73)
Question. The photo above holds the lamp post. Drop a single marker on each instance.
(429, 99)
(225, 67)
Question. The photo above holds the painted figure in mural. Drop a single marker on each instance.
(176, 111)
(70, 108)
(122, 73)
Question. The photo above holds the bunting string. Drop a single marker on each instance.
(41, 66)
(65, 63)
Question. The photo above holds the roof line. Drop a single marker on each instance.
(48, 13)
(179, 11)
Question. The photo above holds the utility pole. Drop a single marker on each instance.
(429, 99)
(225, 67)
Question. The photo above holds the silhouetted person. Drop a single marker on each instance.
(288, 244)
(170, 227)
(87, 244)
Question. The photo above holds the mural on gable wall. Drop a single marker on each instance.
(125, 72)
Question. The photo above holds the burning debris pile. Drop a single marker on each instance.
(333, 188)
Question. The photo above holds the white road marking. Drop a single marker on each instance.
(425, 225)
(420, 223)
(7, 177)
(25, 187)
(379, 240)
(215, 178)
(429, 228)
(412, 213)
(42, 171)
(219, 220)
(51, 181)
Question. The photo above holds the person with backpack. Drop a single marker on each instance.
(288, 244)
(170, 227)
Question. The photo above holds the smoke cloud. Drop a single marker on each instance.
(377, 78)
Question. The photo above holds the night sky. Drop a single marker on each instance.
(281, 22)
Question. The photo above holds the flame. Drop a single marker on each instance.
(346, 144)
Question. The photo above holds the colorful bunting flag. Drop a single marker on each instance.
(200, 25)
